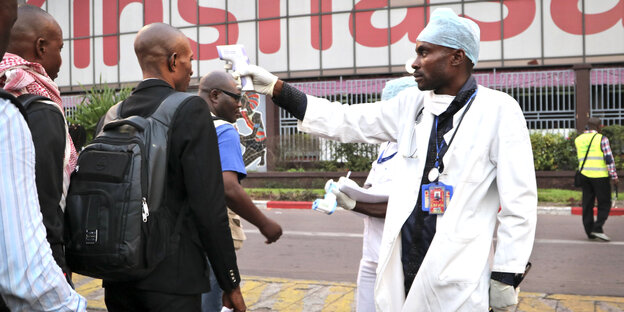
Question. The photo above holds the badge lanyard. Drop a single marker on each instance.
(434, 173)
(382, 159)
(436, 196)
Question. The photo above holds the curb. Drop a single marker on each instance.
(614, 211)
(547, 210)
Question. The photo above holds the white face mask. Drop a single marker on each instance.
(438, 103)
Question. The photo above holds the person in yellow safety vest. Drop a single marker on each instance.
(599, 165)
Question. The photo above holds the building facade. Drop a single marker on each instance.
(562, 59)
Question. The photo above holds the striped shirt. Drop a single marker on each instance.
(30, 280)
(608, 155)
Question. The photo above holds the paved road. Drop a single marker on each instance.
(321, 247)
(314, 266)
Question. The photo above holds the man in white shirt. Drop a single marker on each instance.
(30, 279)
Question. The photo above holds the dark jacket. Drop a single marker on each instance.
(47, 126)
(193, 179)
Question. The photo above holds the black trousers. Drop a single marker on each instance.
(3, 307)
(122, 298)
(596, 188)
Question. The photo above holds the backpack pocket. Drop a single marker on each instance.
(104, 166)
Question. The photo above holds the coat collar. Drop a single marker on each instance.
(150, 83)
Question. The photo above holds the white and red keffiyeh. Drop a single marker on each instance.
(19, 76)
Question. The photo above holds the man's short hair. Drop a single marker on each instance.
(594, 123)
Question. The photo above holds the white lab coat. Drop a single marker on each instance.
(489, 164)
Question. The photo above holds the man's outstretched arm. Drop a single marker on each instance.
(239, 201)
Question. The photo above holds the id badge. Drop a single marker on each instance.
(436, 197)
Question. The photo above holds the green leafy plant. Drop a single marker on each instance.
(615, 133)
(95, 104)
(353, 156)
(554, 151)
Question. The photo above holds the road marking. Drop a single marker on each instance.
(577, 242)
(587, 298)
(281, 294)
(576, 306)
(289, 296)
(315, 234)
(252, 290)
(359, 235)
(89, 287)
(532, 304)
(340, 298)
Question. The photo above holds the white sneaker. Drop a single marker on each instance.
(600, 236)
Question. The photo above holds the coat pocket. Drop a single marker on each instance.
(462, 260)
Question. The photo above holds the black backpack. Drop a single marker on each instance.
(117, 227)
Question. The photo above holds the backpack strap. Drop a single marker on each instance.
(166, 110)
(113, 113)
(28, 99)
(165, 114)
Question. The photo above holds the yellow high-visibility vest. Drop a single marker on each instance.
(595, 165)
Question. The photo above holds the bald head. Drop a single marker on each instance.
(222, 94)
(165, 53)
(215, 80)
(8, 15)
(38, 38)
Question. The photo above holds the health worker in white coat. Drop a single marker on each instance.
(464, 151)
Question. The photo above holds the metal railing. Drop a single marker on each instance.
(296, 146)
(607, 95)
(547, 98)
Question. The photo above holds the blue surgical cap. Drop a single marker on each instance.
(393, 87)
(449, 30)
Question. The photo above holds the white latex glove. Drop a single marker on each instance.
(346, 181)
(228, 68)
(502, 296)
(263, 81)
(343, 200)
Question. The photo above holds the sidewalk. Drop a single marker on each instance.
(263, 294)
(552, 210)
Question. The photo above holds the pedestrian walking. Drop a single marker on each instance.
(598, 171)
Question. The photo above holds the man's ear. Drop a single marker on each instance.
(214, 95)
(458, 57)
(41, 46)
(171, 63)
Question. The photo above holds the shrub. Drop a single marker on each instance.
(553, 151)
(615, 134)
(353, 156)
(94, 105)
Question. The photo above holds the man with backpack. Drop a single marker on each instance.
(27, 71)
(192, 194)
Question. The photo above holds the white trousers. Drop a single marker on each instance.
(366, 286)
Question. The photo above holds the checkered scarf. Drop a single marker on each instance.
(19, 76)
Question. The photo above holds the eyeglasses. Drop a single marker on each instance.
(235, 96)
